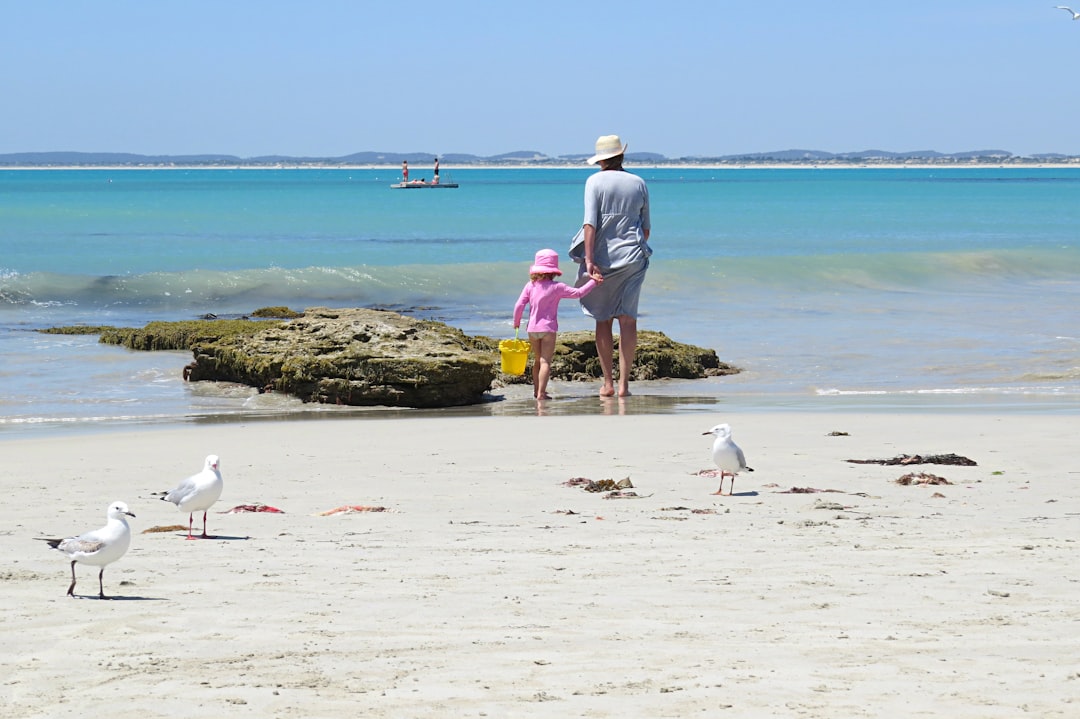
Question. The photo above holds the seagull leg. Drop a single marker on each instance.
(189, 521)
(101, 584)
(71, 589)
(731, 489)
(721, 490)
(204, 526)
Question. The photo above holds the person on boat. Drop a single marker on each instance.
(436, 180)
(405, 171)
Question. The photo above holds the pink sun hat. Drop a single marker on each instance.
(546, 263)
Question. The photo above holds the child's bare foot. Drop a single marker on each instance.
(543, 397)
(607, 391)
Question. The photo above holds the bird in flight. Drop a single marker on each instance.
(1075, 15)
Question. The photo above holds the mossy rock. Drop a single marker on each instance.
(354, 357)
(279, 312)
(379, 357)
(657, 357)
(183, 335)
(77, 330)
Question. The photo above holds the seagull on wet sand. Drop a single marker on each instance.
(197, 492)
(1076, 15)
(100, 547)
(727, 455)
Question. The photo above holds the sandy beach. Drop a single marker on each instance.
(488, 587)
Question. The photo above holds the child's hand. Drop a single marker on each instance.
(598, 277)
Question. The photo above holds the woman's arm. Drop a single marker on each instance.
(590, 249)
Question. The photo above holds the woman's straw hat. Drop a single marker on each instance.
(607, 146)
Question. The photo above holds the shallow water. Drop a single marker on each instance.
(865, 289)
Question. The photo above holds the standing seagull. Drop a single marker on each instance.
(99, 547)
(727, 455)
(1076, 15)
(199, 491)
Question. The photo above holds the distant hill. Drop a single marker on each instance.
(520, 157)
(111, 158)
(860, 156)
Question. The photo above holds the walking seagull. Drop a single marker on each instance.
(727, 455)
(197, 492)
(100, 547)
(1076, 15)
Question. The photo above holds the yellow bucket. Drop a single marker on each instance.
(515, 355)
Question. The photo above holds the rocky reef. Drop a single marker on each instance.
(353, 356)
(366, 357)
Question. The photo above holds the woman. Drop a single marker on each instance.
(616, 233)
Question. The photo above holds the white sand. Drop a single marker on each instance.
(475, 596)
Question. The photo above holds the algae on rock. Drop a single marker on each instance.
(353, 357)
(370, 357)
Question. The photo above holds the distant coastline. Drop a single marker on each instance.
(529, 159)
(1027, 164)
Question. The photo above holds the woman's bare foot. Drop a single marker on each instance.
(624, 391)
(544, 396)
(607, 390)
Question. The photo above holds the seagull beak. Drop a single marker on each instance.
(129, 514)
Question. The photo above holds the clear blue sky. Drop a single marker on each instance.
(715, 77)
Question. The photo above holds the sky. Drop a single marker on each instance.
(327, 78)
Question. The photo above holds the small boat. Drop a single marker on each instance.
(421, 185)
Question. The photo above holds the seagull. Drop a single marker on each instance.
(99, 547)
(199, 491)
(727, 455)
(1076, 15)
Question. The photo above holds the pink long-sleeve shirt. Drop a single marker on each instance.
(542, 297)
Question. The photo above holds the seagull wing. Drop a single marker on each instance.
(82, 545)
(742, 458)
(182, 491)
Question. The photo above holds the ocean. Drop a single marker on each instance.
(832, 289)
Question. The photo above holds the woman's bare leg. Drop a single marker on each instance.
(605, 352)
(627, 350)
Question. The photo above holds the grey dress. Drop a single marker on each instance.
(617, 205)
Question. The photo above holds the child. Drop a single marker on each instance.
(542, 293)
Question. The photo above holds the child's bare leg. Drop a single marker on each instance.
(547, 351)
(534, 344)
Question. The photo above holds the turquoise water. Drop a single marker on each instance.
(830, 287)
